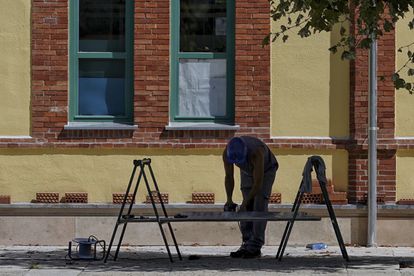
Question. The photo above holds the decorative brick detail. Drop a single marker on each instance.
(76, 197)
(5, 199)
(164, 197)
(311, 198)
(338, 198)
(47, 197)
(95, 134)
(118, 198)
(275, 198)
(406, 201)
(316, 187)
(202, 198)
(317, 197)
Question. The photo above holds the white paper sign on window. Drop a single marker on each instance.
(202, 88)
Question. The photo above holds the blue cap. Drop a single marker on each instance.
(236, 151)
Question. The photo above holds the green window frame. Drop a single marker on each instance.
(177, 55)
(77, 57)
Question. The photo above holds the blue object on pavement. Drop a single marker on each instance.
(317, 246)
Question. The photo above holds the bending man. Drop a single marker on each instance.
(258, 168)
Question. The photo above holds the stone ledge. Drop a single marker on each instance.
(105, 209)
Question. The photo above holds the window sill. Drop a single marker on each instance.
(200, 126)
(99, 126)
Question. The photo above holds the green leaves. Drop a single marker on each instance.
(388, 26)
(333, 49)
(365, 43)
(266, 40)
(347, 55)
(342, 31)
(400, 83)
(312, 16)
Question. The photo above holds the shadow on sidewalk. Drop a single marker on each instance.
(159, 262)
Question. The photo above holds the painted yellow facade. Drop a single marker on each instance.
(179, 173)
(309, 98)
(15, 68)
(404, 101)
(404, 115)
(291, 163)
(309, 87)
(405, 176)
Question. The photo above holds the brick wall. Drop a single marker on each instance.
(358, 146)
(151, 80)
(49, 68)
(252, 67)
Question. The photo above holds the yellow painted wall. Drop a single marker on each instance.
(103, 172)
(309, 87)
(404, 101)
(291, 163)
(15, 67)
(405, 176)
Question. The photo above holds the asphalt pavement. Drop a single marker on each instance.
(209, 260)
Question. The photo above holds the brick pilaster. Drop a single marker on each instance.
(49, 105)
(252, 72)
(358, 147)
(151, 64)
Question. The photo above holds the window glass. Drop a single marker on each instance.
(202, 87)
(101, 87)
(102, 25)
(203, 25)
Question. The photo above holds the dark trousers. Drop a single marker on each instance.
(253, 232)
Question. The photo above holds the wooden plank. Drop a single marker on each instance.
(224, 216)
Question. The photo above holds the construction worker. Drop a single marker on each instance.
(258, 168)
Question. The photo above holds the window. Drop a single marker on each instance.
(101, 69)
(202, 63)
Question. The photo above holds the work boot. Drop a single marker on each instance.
(252, 254)
(238, 254)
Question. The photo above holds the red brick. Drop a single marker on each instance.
(5, 199)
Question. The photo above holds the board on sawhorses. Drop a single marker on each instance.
(125, 216)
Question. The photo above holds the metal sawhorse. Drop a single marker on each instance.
(128, 217)
(318, 164)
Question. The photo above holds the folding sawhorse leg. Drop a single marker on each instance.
(124, 219)
(295, 210)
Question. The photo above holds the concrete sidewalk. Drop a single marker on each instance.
(210, 260)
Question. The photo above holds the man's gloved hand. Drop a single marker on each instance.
(230, 207)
